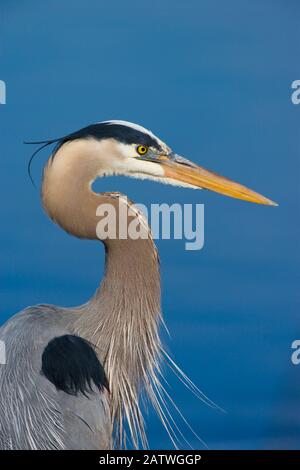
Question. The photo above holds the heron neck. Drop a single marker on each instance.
(131, 266)
(122, 318)
(125, 309)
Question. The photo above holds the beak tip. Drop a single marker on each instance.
(272, 203)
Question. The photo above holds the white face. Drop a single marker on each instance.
(132, 159)
(123, 159)
(118, 158)
(136, 160)
(132, 163)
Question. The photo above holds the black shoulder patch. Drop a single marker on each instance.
(71, 364)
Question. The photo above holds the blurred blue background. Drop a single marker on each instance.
(212, 79)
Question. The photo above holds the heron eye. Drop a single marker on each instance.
(142, 149)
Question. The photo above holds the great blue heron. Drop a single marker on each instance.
(73, 376)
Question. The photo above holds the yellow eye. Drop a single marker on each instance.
(142, 149)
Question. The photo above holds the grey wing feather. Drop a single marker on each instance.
(33, 413)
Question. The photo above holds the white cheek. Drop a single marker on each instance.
(134, 165)
(129, 163)
(127, 150)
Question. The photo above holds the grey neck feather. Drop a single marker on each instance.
(122, 318)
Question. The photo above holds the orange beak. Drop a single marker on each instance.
(178, 169)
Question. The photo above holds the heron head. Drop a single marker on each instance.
(124, 148)
(135, 151)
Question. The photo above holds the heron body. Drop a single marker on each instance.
(73, 377)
